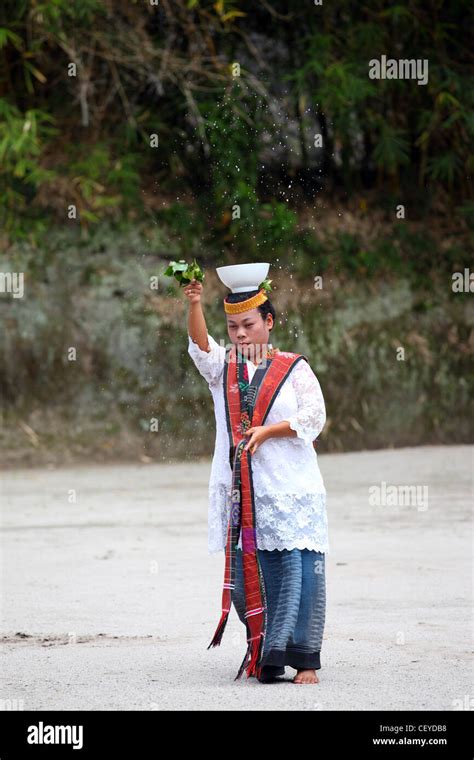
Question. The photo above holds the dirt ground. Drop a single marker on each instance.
(110, 597)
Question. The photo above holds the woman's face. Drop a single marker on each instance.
(248, 330)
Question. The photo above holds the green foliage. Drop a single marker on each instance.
(391, 149)
(278, 224)
(402, 251)
(300, 70)
(185, 226)
(466, 210)
(55, 13)
(125, 334)
(184, 273)
(22, 138)
(103, 181)
(232, 135)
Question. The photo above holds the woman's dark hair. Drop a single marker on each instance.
(265, 308)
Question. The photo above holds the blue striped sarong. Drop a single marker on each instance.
(295, 587)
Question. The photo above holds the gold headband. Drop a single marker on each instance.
(250, 303)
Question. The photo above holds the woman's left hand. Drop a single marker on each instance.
(258, 435)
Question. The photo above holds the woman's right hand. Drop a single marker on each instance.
(193, 291)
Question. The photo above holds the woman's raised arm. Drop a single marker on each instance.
(197, 328)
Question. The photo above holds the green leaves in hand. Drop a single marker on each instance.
(184, 273)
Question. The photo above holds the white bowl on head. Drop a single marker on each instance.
(242, 277)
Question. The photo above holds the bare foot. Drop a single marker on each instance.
(306, 676)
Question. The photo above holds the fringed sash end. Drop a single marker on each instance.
(244, 662)
(253, 653)
(253, 669)
(216, 640)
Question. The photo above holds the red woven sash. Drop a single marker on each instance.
(247, 405)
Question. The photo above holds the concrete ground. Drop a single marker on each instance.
(110, 598)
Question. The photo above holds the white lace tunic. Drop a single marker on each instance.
(290, 497)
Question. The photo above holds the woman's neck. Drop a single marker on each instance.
(261, 353)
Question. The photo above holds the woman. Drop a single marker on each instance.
(288, 493)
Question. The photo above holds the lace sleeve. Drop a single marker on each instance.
(209, 363)
(311, 415)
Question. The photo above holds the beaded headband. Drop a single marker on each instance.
(249, 303)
